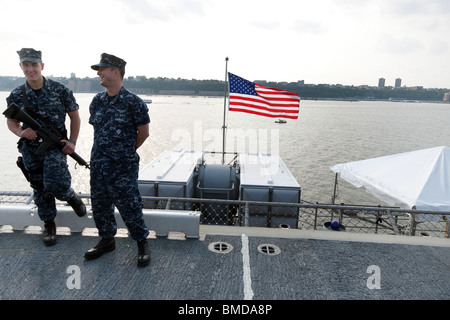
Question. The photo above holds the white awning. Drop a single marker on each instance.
(418, 178)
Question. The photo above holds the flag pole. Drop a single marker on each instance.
(224, 111)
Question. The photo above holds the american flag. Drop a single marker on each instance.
(246, 96)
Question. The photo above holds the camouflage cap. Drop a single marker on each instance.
(108, 60)
(29, 54)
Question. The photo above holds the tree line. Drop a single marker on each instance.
(321, 91)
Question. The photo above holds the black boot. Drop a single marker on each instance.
(77, 205)
(104, 245)
(49, 233)
(143, 253)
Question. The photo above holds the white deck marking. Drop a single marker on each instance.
(248, 292)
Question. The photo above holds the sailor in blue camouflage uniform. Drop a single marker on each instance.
(121, 124)
(49, 101)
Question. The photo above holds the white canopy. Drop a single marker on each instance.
(418, 178)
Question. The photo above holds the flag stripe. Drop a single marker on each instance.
(246, 96)
(274, 90)
(257, 106)
(234, 97)
(275, 95)
(271, 115)
(274, 110)
(277, 98)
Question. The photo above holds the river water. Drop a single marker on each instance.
(326, 133)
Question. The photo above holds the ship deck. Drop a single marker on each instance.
(229, 263)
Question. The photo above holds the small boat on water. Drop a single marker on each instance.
(280, 121)
(147, 100)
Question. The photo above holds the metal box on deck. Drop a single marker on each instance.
(265, 177)
(172, 174)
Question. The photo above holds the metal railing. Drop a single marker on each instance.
(308, 216)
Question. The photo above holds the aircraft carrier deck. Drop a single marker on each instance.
(229, 263)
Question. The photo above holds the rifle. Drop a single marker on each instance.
(49, 134)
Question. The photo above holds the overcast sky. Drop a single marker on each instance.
(350, 42)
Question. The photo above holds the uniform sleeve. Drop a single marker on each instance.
(9, 100)
(140, 112)
(13, 98)
(92, 108)
(70, 103)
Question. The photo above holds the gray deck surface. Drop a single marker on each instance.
(306, 268)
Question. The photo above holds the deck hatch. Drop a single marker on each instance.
(220, 247)
(269, 249)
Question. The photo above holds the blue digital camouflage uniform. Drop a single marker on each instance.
(49, 173)
(115, 163)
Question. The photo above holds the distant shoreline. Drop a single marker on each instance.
(215, 88)
(213, 95)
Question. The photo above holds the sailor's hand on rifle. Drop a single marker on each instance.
(28, 133)
(68, 148)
